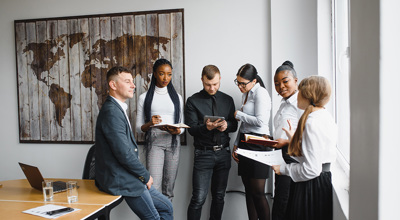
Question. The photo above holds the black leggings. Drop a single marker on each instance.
(257, 204)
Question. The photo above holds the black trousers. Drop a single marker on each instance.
(209, 168)
(281, 197)
(282, 190)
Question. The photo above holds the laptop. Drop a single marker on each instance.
(35, 178)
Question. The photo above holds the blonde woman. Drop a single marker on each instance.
(313, 145)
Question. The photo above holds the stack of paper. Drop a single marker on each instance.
(42, 211)
(265, 157)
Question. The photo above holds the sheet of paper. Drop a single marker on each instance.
(41, 211)
(266, 157)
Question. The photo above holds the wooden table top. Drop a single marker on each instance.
(13, 210)
(17, 196)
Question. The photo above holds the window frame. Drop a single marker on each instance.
(341, 168)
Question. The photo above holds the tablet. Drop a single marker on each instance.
(212, 118)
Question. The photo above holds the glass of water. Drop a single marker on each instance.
(72, 191)
(47, 187)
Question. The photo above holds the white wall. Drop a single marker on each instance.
(227, 33)
(389, 191)
(294, 37)
(374, 178)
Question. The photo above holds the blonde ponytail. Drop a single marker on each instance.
(317, 90)
(294, 148)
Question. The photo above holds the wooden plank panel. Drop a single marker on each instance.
(23, 83)
(164, 21)
(31, 51)
(129, 61)
(65, 97)
(141, 79)
(43, 75)
(95, 68)
(105, 48)
(140, 45)
(54, 81)
(151, 41)
(73, 44)
(177, 52)
(86, 81)
(116, 41)
(128, 33)
(177, 56)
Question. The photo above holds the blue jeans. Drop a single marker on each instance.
(209, 166)
(151, 205)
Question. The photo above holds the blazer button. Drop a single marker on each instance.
(135, 149)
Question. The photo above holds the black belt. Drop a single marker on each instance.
(213, 148)
(326, 167)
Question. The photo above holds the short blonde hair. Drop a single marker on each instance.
(210, 71)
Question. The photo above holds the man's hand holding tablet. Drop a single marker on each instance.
(215, 122)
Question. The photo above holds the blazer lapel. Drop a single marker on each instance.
(126, 120)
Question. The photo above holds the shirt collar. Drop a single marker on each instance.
(123, 105)
(255, 87)
(292, 99)
(205, 93)
(163, 89)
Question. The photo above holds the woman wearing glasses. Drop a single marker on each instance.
(254, 115)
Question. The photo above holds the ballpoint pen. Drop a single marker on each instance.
(68, 209)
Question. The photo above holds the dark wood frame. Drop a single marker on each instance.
(62, 63)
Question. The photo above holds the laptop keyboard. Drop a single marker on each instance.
(59, 186)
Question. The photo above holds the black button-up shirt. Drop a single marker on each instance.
(199, 105)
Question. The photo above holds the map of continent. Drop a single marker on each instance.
(44, 61)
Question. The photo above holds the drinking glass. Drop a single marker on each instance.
(47, 187)
(72, 191)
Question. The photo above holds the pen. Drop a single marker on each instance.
(60, 210)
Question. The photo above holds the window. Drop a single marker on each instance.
(341, 100)
(341, 56)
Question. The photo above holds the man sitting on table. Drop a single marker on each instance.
(118, 168)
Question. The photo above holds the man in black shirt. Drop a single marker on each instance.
(212, 159)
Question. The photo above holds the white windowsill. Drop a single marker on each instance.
(340, 181)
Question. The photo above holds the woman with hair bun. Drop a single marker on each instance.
(313, 145)
(161, 104)
(254, 115)
(285, 80)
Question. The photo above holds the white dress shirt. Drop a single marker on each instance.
(162, 105)
(255, 113)
(318, 147)
(288, 110)
(124, 106)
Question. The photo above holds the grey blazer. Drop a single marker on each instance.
(118, 168)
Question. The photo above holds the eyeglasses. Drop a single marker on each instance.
(241, 84)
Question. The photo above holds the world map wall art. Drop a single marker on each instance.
(62, 65)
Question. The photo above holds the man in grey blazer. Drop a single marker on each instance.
(118, 168)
